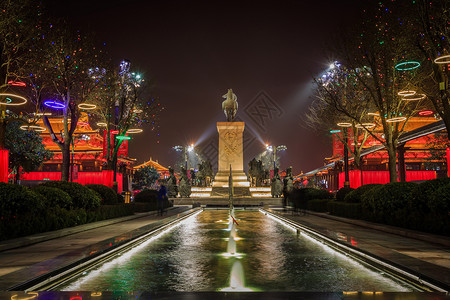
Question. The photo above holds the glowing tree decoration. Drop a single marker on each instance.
(121, 107)
(407, 65)
(12, 100)
(17, 83)
(86, 106)
(426, 112)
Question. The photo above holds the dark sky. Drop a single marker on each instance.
(193, 51)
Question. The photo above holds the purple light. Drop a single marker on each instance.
(54, 104)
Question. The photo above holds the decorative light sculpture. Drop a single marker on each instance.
(344, 124)
(426, 112)
(123, 137)
(396, 119)
(135, 130)
(8, 99)
(86, 106)
(17, 83)
(32, 127)
(445, 59)
(415, 97)
(54, 104)
(101, 124)
(407, 65)
(406, 93)
(366, 125)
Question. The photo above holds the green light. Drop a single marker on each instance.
(407, 65)
(122, 137)
(335, 131)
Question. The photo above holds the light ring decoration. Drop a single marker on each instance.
(426, 113)
(87, 106)
(32, 127)
(137, 111)
(8, 99)
(373, 114)
(114, 131)
(407, 65)
(406, 93)
(416, 97)
(366, 125)
(445, 59)
(82, 123)
(344, 124)
(396, 119)
(54, 104)
(102, 124)
(135, 130)
(17, 83)
(123, 137)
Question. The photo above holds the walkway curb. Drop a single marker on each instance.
(45, 236)
(422, 236)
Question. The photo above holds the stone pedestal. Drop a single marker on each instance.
(231, 153)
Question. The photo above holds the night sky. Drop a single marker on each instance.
(193, 51)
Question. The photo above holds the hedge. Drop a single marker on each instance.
(54, 196)
(344, 191)
(346, 210)
(17, 200)
(355, 196)
(55, 218)
(107, 195)
(82, 197)
(150, 197)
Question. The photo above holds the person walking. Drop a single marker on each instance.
(162, 196)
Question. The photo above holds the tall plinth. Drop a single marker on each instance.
(231, 153)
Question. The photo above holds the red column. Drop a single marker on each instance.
(4, 165)
(448, 161)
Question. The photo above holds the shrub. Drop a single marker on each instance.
(391, 202)
(107, 195)
(346, 210)
(355, 196)
(53, 196)
(319, 205)
(340, 195)
(418, 202)
(148, 196)
(17, 200)
(120, 198)
(82, 197)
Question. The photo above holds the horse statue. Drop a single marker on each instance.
(230, 105)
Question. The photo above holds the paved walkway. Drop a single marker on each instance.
(24, 257)
(431, 259)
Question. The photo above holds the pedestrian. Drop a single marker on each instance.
(162, 198)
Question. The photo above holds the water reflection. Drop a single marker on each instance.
(188, 258)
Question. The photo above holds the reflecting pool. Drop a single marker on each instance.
(192, 256)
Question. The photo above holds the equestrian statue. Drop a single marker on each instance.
(230, 105)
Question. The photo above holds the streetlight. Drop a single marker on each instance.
(274, 150)
(186, 149)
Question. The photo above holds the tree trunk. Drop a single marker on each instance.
(65, 168)
(392, 164)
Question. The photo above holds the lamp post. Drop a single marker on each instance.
(186, 149)
(274, 150)
(345, 142)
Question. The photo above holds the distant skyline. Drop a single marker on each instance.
(193, 51)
